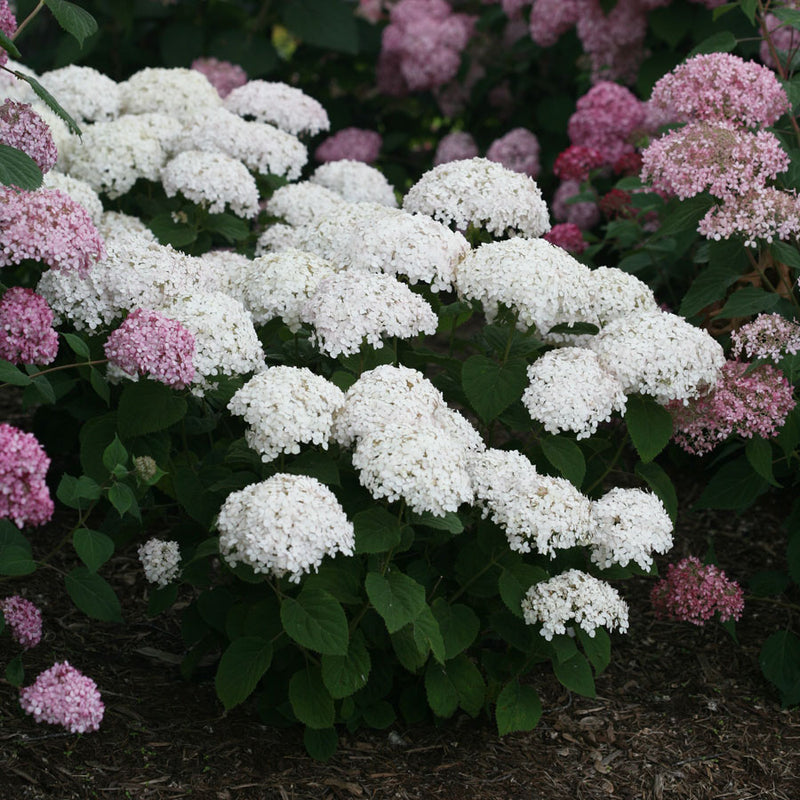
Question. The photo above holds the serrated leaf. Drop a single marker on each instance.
(458, 623)
(649, 426)
(376, 530)
(450, 522)
(791, 16)
(720, 42)
(320, 744)
(442, 694)
(575, 674)
(9, 46)
(759, 455)
(396, 597)
(345, 675)
(147, 407)
(76, 344)
(491, 387)
(168, 231)
(240, 669)
(597, 648)
(19, 169)
(13, 375)
(427, 635)
(661, 484)
(565, 455)
(227, 225)
(73, 19)
(121, 496)
(15, 671)
(100, 386)
(93, 595)
(518, 708)
(16, 560)
(316, 620)
(49, 101)
(514, 584)
(733, 488)
(780, 662)
(709, 287)
(747, 301)
(93, 547)
(311, 701)
(115, 455)
(72, 491)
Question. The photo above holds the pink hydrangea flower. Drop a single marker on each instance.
(720, 87)
(354, 144)
(550, 19)
(720, 158)
(754, 403)
(26, 328)
(785, 40)
(455, 146)
(64, 696)
(24, 496)
(47, 225)
(694, 592)
(222, 75)
(23, 619)
(518, 150)
(584, 214)
(576, 162)
(567, 236)
(8, 24)
(23, 128)
(767, 336)
(148, 343)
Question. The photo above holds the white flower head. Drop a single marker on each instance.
(114, 223)
(80, 191)
(481, 193)
(356, 182)
(88, 95)
(178, 92)
(302, 203)
(578, 596)
(161, 561)
(284, 525)
(231, 271)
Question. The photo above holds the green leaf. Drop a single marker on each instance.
(93, 548)
(11, 374)
(93, 595)
(115, 455)
(408, 650)
(15, 671)
(329, 24)
(148, 406)
(747, 301)
(9, 46)
(597, 648)
(709, 287)
(450, 522)
(18, 169)
(780, 662)
(575, 674)
(733, 488)
(227, 225)
(49, 101)
(427, 635)
(316, 620)
(649, 425)
(515, 582)
(77, 345)
(683, 216)
(458, 623)
(100, 386)
(376, 530)
(566, 457)
(396, 597)
(768, 583)
(468, 682)
(320, 744)
(791, 16)
(168, 231)
(661, 484)
(160, 598)
(345, 675)
(78, 492)
(720, 42)
(442, 694)
(759, 456)
(16, 560)
(240, 669)
(73, 19)
(44, 389)
(311, 702)
(518, 708)
(491, 387)
(121, 496)
(748, 9)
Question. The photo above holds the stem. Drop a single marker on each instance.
(472, 580)
(772, 601)
(610, 466)
(59, 369)
(27, 19)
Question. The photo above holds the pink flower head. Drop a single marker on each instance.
(64, 696)
(24, 496)
(8, 24)
(222, 75)
(747, 403)
(720, 87)
(47, 225)
(576, 162)
(518, 150)
(26, 328)
(785, 40)
(694, 592)
(767, 336)
(720, 158)
(23, 128)
(23, 619)
(148, 343)
(584, 214)
(628, 164)
(552, 18)
(568, 237)
(355, 144)
(607, 119)
(455, 146)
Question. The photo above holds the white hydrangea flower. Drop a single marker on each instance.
(534, 510)
(276, 238)
(284, 525)
(351, 306)
(569, 390)
(481, 193)
(422, 464)
(88, 95)
(356, 182)
(301, 203)
(178, 92)
(83, 300)
(630, 525)
(112, 156)
(115, 223)
(232, 272)
(539, 281)
(80, 191)
(213, 181)
(164, 127)
(225, 340)
(290, 109)
(578, 596)
(161, 561)
(260, 147)
(285, 407)
(659, 354)
(279, 285)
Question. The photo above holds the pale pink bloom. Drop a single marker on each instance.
(222, 75)
(767, 336)
(23, 619)
(355, 144)
(23, 128)
(26, 328)
(694, 592)
(551, 18)
(47, 225)
(455, 146)
(785, 40)
(568, 237)
(584, 214)
(576, 162)
(747, 403)
(149, 343)
(370, 10)
(720, 87)
(518, 150)
(8, 24)
(64, 696)
(24, 496)
(513, 8)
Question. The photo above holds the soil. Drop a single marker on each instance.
(681, 712)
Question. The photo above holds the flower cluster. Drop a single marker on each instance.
(695, 592)
(300, 203)
(567, 236)
(21, 127)
(576, 162)
(767, 336)
(355, 144)
(89, 95)
(8, 24)
(161, 561)
(584, 214)
(355, 181)
(179, 92)
(455, 146)
(24, 620)
(222, 75)
(25, 498)
(148, 343)
(518, 151)
(81, 192)
(64, 696)
(26, 328)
